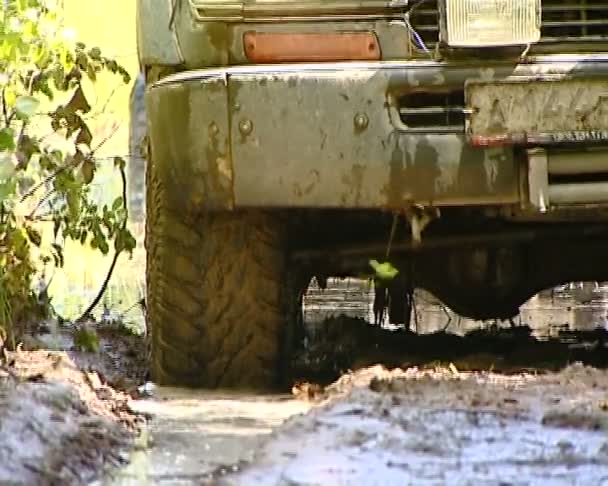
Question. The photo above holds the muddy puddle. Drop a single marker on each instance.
(196, 437)
(578, 306)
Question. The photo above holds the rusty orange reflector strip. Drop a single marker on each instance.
(264, 47)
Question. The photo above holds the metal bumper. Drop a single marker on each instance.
(330, 136)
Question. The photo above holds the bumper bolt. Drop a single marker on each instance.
(245, 127)
(361, 121)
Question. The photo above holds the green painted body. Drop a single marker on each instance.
(336, 150)
(229, 134)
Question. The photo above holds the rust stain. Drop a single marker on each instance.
(219, 178)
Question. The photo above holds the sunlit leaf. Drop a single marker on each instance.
(384, 271)
(7, 189)
(7, 139)
(26, 106)
(7, 166)
(117, 204)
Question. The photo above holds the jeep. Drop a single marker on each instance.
(465, 142)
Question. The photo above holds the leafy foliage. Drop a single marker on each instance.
(47, 155)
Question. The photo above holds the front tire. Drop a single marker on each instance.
(217, 300)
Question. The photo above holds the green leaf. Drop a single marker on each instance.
(26, 149)
(7, 139)
(91, 72)
(95, 53)
(26, 106)
(58, 75)
(7, 167)
(86, 340)
(73, 204)
(8, 189)
(117, 204)
(384, 271)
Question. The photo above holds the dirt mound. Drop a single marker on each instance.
(60, 425)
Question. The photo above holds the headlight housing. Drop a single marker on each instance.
(490, 23)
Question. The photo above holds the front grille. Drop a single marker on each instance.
(578, 21)
(429, 111)
(574, 20)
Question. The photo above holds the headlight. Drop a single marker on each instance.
(479, 23)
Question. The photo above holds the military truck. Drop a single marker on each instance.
(464, 142)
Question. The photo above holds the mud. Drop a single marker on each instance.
(59, 424)
(444, 426)
(120, 361)
(196, 437)
(344, 343)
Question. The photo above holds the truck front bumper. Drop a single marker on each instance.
(332, 136)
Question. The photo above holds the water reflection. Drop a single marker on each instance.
(197, 433)
(573, 307)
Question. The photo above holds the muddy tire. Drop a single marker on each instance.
(216, 296)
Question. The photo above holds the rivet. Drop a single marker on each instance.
(361, 121)
(245, 126)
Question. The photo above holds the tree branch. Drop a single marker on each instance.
(65, 167)
(117, 253)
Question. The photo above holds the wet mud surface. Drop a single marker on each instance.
(196, 437)
(444, 426)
